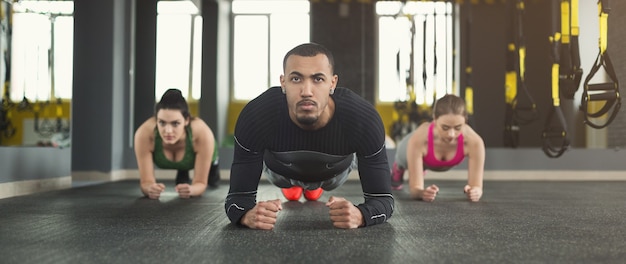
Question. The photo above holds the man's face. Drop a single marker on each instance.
(307, 83)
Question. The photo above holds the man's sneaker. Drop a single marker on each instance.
(293, 193)
(313, 195)
(182, 176)
(397, 175)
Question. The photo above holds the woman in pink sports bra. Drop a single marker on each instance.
(438, 146)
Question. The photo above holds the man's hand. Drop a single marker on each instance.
(343, 213)
(183, 190)
(430, 193)
(263, 215)
(154, 190)
(473, 193)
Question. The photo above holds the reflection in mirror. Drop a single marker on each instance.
(37, 74)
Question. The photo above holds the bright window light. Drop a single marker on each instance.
(270, 7)
(179, 49)
(173, 49)
(423, 29)
(37, 27)
(177, 7)
(29, 55)
(260, 44)
(44, 7)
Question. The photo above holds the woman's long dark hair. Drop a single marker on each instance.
(173, 99)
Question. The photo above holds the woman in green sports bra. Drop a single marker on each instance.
(173, 139)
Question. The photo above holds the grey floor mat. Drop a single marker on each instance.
(515, 222)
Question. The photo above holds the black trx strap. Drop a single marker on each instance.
(575, 47)
(403, 109)
(60, 127)
(511, 127)
(554, 135)
(434, 52)
(520, 106)
(601, 92)
(570, 73)
(469, 90)
(424, 111)
(415, 115)
(424, 74)
(7, 129)
(408, 115)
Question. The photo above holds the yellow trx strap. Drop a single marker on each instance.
(511, 126)
(554, 135)
(604, 25)
(469, 96)
(570, 72)
(469, 90)
(605, 94)
(525, 109)
(520, 106)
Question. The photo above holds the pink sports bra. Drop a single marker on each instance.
(431, 161)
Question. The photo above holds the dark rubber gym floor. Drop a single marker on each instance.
(515, 222)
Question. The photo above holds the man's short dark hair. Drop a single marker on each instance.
(311, 50)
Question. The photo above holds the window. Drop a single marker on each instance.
(423, 29)
(41, 51)
(263, 32)
(179, 48)
(40, 27)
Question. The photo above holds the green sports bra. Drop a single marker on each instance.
(159, 159)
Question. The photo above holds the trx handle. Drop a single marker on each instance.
(555, 141)
(554, 135)
(601, 92)
(606, 93)
(511, 129)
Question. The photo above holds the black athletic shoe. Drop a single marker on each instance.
(214, 175)
(182, 176)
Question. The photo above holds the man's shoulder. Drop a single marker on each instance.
(266, 99)
(352, 109)
(271, 94)
(348, 97)
(351, 103)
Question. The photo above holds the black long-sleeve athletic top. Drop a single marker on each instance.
(355, 127)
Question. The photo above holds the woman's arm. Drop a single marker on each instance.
(414, 155)
(204, 145)
(144, 146)
(476, 165)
